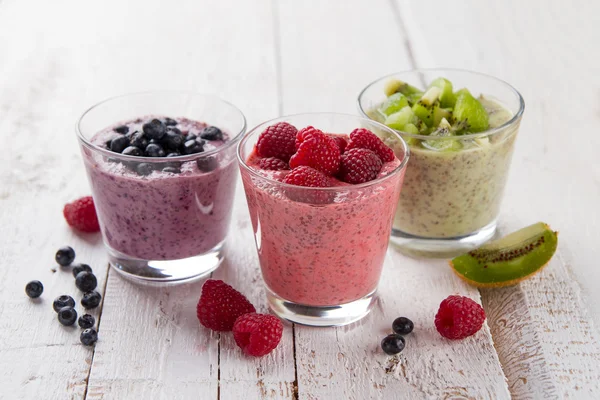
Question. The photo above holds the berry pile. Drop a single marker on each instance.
(64, 305)
(160, 138)
(315, 157)
(394, 343)
(222, 308)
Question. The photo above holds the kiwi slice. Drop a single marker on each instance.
(469, 113)
(439, 113)
(443, 130)
(508, 260)
(394, 103)
(398, 86)
(447, 98)
(425, 106)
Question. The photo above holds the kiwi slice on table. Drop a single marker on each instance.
(447, 98)
(508, 260)
(469, 114)
(394, 103)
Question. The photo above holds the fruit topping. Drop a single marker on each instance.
(88, 337)
(257, 334)
(154, 150)
(403, 326)
(155, 129)
(469, 113)
(119, 143)
(394, 103)
(91, 299)
(220, 305)
(393, 344)
(132, 151)
(273, 164)
(508, 260)
(123, 129)
(306, 176)
(67, 316)
(447, 98)
(459, 317)
(277, 140)
(86, 281)
(359, 166)
(81, 215)
(211, 133)
(316, 150)
(34, 289)
(365, 139)
(86, 321)
(65, 256)
(341, 143)
(193, 146)
(63, 301)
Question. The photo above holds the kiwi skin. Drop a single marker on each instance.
(496, 266)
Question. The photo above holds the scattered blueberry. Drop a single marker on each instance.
(173, 170)
(207, 164)
(34, 289)
(65, 256)
(86, 321)
(132, 151)
(172, 140)
(67, 316)
(139, 140)
(211, 133)
(144, 169)
(91, 299)
(86, 281)
(392, 344)
(154, 129)
(170, 121)
(123, 129)
(155, 150)
(119, 144)
(192, 147)
(77, 268)
(89, 336)
(403, 326)
(174, 154)
(63, 301)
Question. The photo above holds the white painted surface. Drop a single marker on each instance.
(56, 58)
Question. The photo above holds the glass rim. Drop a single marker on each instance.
(489, 132)
(188, 157)
(254, 172)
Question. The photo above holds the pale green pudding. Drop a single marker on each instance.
(459, 161)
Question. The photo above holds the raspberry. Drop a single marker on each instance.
(278, 141)
(273, 164)
(316, 150)
(257, 334)
(220, 305)
(304, 133)
(459, 317)
(359, 166)
(81, 215)
(365, 139)
(341, 143)
(307, 176)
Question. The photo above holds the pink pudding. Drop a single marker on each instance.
(173, 206)
(321, 246)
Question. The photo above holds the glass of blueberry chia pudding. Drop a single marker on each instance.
(162, 169)
(322, 190)
(461, 128)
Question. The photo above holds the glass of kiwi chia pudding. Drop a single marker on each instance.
(461, 128)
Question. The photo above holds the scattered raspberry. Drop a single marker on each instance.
(257, 334)
(273, 164)
(307, 176)
(365, 139)
(459, 317)
(359, 166)
(81, 215)
(316, 150)
(341, 143)
(277, 140)
(220, 305)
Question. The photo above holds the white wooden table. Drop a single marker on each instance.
(279, 57)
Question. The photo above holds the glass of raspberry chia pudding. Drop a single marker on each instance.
(322, 189)
(461, 127)
(162, 169)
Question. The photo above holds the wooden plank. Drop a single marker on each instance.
(348, 48)
(546, 338)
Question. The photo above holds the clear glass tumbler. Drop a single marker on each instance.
(321, 250)
(454, 185)
(161, 227)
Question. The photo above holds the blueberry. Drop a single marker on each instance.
(89, 336)
(154, 141)
(207, 164)
(191, 137)
(34, 289)
(192, 147)
(67, 316)
(174, 130)
(63, 301)
(144, 169)
(86, 281)
(65, 256)
(173, 170)
(172, 140)
(154, 129)
(174, 154)
(170, 121)
(139, 140)
(91, 299)
(132, 151)
(403, 326)
(86, 321)
(123, 129)
(392, 344)
(211, 133)
(77, 268)
(119, 144)
(155, 150)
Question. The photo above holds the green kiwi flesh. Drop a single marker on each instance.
(508, 260)
(447, 98)
(469, 112)
(394, 103)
